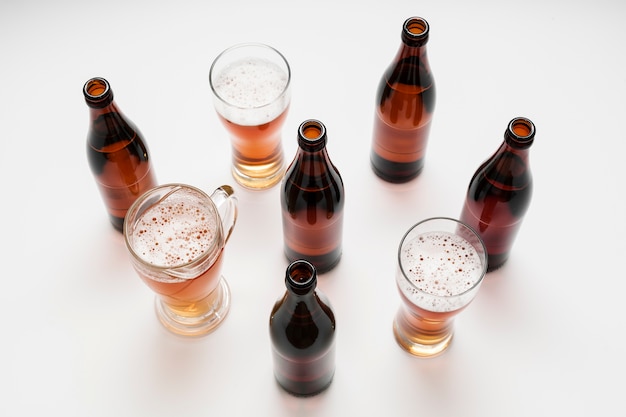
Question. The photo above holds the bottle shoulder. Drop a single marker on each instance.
(302, 326)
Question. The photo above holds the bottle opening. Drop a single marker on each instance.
(312, 129)
(520, 133)
(522, 128)
(96, 87)
(301, 274)
(416, 26)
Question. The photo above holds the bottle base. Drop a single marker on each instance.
(321, 263)
(495, 262)
(302, 390)
(396, 172)
(117, 222)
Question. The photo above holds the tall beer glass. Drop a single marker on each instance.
(441, 265)
(251, 91)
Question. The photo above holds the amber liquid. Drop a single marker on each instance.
(120, 164)
(303, 348)
(304, 376)
(257, 152)
(401, 128)
(495, 207)
(312, 224)
(189, 297)
(414, 325)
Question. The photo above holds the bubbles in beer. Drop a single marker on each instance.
(254, 87)
(175, 231)
(439, 265)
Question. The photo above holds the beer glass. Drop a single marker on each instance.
(441, 265)
(176, 235)
(251, 91)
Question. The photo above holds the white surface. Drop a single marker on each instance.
(543, 337)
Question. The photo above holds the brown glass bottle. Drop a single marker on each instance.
(405, 102)
(500, 192)
(116, 151)
(312, 201)
(302, 332)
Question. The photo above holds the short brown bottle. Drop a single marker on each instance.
(500, 192)
(405, 103)
(116, 152)
(302, 332)
(312, 201)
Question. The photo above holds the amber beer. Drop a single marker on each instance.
(177, 241)
(405, 103)
(116, 152)
(440, 270)
(257, 151)
(251, 90)
(500, 192)
(312, 202)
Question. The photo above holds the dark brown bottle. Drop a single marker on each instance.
(405, 102)
(116, 151)
(302, 331)
(312, 201)
(500, 192)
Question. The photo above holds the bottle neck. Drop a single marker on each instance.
(415, 32)
(312, 136)
(98, 93)
(520, 133)
(412, 52)
(99, 97)
(519, 155)
(301, 278)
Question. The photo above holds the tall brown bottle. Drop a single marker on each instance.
(500, 192)
(405, 102)
(302, 331)
(312, 201)
(116, 151)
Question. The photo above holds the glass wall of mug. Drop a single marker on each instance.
(441, 265)
(176, 235)
(251, 87)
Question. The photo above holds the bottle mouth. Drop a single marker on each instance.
(415, 31)
(97, 92)
(312, 133)
(521, 131)
(301, 275)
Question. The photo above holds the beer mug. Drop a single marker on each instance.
(176, 235)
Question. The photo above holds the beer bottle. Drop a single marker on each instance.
(312, 201)
(302, 332)
(500, 191)
(116, 152)
(405, 102)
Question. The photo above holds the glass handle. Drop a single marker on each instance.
(226, 204)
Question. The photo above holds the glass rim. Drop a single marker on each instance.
(173, 188)
(260, 45)
(458, 222)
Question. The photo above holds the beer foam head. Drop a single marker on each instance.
(176, 230)
(251, 91)
(439, 266)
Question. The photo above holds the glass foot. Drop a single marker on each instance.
(197, 325)
(419, 345)
(270, 179)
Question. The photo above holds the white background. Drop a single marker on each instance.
(545, 335)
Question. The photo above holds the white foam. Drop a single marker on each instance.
(439, 265)
(255, 88)
(175, 231)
